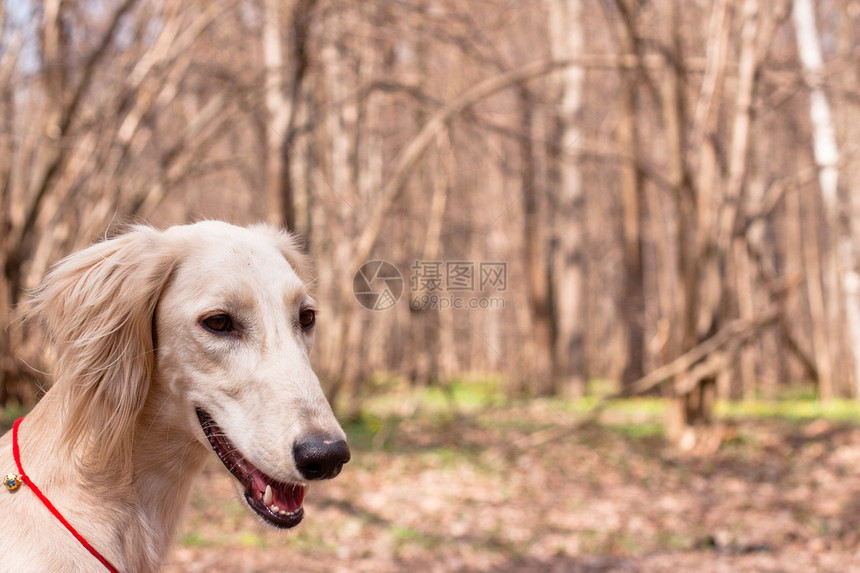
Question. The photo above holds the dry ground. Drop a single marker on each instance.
(447, 492)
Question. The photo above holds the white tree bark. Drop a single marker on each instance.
(826, 153)
(567, 40)
(825, 148)
(277, 106)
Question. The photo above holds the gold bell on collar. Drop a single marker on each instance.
(12, 481)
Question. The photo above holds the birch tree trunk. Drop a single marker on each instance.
(731, 246)
(849, 122)
(839, 263)
(281, 99)
(277, 106)
(567, 41)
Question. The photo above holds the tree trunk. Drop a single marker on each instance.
(633, 304)
(731, 245)
(567, 40)
(690, 407)
(838, 262)
(537, 280)
(281, 106)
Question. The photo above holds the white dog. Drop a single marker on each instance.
(170, 345)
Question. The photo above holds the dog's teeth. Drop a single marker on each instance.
(283, 512)
(267, 497)
(275, 508)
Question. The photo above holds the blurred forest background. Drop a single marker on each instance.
(664, 195)
(671, 185)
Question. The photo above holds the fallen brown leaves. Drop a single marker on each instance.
(449, 494)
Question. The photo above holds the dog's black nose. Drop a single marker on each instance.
(320, 457)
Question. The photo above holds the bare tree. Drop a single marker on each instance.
(567, 269)
(282, 103)
(839, 265)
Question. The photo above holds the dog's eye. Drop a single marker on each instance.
(307, 317)
(218, 323)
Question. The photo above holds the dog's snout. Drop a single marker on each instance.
(320, 457)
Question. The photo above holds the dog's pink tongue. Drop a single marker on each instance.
(286, 496)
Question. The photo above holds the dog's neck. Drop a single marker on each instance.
(130, 512)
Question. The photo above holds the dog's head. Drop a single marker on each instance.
(220, 319)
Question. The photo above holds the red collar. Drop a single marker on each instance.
(23, 477)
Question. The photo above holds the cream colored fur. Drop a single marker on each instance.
(115, 443)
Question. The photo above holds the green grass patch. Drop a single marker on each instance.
(672, 541)
(389, 396)
(638, 431)
(840, 410)
(8, 415)
(402, 533)
(314, 537)
(405, 537)
(195, 539)
(464, 394)
(252, 540)
(792, 404)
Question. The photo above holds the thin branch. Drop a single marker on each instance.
(66, 118)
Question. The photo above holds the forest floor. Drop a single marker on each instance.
(451, 487)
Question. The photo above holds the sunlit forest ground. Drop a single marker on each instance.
(447, 481)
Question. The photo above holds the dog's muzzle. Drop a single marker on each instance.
(277, 503)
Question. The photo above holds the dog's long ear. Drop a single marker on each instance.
(98, 305)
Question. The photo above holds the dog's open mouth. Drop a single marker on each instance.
(278, 503)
